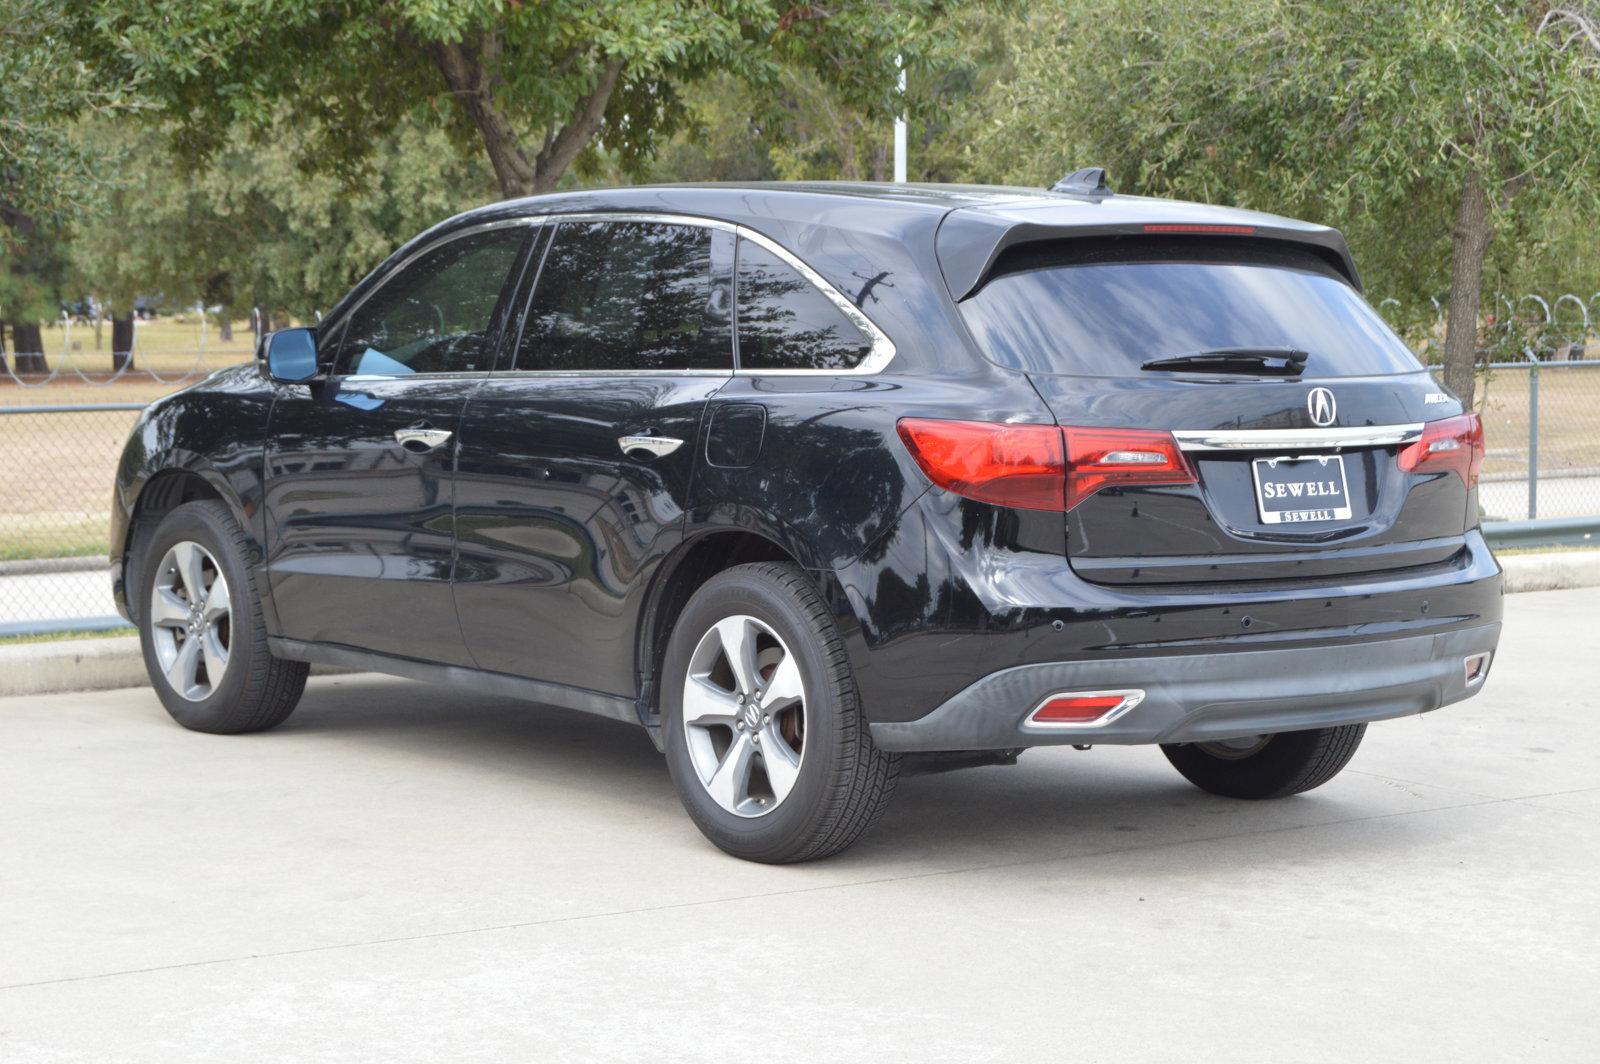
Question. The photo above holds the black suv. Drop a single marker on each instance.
(821, 482)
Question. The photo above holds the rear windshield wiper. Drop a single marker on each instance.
(1287, 361)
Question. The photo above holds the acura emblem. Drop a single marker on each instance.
(1321, 406)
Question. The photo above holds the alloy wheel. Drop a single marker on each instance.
(744, 716)
(191, 620)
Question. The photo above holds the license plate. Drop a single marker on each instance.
(1294, 490)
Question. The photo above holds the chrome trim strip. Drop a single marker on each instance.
(1289, 439)
(1131, 697)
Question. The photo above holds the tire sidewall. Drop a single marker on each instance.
(197, 522)
(773, 833)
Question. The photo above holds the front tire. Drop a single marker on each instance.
(1267, 766)
(201, 628)
(760, 717)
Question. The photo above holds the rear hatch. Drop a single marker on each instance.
(1279, 430)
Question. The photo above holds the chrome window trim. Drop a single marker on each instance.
(1289, 439)
(880, 353)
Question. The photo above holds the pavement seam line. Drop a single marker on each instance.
(612, 913)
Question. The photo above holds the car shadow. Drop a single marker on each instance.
(1055, 802)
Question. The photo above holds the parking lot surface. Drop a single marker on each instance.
(410, 873)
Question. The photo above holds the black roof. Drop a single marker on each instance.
(973, 223)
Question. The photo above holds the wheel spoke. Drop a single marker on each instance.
(188, 559)
(739, 646)
(181, 673)
(780, 760)
(705, 705)
(216, 656)
(218, 601)
(167, 610)
(730, 783)
(785, 688)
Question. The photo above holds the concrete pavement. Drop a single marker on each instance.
(405, 873)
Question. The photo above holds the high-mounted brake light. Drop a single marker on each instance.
(1455, 443)
(1040, 467)
(1108, 458)
(1173, 227)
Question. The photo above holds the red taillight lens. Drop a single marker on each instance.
(1030, 467)
(1008, 465)
(1106, 458)
(1456, 443)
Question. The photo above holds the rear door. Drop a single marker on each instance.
(577, 458)
(359, 467)
(1296, 472)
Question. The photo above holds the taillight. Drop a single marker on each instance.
(1040, 467)
(1456, 443)
(1008, 465)
(1086, 709)
(1109, 458)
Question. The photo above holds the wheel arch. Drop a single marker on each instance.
(684, 571)
(157, 496)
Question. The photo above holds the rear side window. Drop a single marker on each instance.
(434, 315)
(785, 322)
(1103, 307)
(625, 296)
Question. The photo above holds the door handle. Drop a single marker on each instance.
(419, 440)
(648, 447)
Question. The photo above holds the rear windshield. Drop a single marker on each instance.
(1102, 307)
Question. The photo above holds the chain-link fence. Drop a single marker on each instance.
(1541, 422)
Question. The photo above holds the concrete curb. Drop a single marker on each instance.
(106, 664)
(81, 665)
(1551, 571)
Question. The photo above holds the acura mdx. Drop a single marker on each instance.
(819, 483)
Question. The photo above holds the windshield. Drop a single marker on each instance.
(1104, 307)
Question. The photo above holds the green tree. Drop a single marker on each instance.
(532, 85)
(45, 175)
(251, 228)
(1418, 127)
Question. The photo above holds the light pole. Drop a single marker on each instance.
(900, 126)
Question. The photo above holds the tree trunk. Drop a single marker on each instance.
(122, 341)
(99, 327)
(1468, 244)
(2, 347)
(27, 346)
(225, 325)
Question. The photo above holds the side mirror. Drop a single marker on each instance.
(290, 355)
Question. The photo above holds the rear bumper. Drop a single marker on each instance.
(1208, 696)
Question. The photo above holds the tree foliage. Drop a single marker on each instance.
(1414, 126)
(533, 85)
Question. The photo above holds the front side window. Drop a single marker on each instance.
(434, 316)
(785, 322)
(626, 296)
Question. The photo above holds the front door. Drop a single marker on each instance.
(360, 464)
(576, 463)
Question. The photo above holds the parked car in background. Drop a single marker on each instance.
(817, 482)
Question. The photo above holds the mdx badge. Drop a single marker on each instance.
(1321, 406)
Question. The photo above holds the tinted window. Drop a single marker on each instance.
(434, 315)
(1101, 308)
(626, 296)
(785, 322)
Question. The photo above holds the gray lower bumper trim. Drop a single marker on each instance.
(1198, 697)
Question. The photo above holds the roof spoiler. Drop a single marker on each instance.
(970, 241)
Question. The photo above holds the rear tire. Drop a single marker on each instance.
(197, 592)
(806, 780)
(1275, 766)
